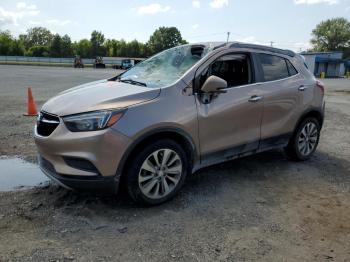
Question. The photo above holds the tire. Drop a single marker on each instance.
(295, 149)
(145, 179)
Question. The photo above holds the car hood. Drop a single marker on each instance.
(98, 95)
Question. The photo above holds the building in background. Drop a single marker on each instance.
(329, 63)
(347, 68)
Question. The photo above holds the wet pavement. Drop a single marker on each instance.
(15, 173)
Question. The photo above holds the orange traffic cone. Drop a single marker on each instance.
(31, 104)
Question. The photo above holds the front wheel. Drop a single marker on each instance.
(157, 172)
(305, 140)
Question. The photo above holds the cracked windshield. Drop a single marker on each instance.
(165, 68)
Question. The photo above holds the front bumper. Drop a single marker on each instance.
(63, 156)
(96, 183)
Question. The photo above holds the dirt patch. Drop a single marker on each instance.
(258, 208)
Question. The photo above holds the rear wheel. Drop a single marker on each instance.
(157, 172)
(305, 140)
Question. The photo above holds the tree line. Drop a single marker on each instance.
(40, 42)
(329, 35)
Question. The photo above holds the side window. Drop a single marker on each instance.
(291, 68)
(274, 67)
(234, 68)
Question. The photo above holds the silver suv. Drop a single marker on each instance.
(183, 109)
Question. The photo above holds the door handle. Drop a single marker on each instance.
(302, 88)
(255, 98)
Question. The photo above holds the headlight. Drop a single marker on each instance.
(92, 121)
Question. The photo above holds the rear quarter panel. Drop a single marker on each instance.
(284, 104)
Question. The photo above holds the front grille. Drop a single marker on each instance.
(46, 123)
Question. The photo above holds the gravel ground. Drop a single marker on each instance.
(261, 207)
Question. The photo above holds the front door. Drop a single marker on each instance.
(229, 123)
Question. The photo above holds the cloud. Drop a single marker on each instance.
(58, 22)
(32, 7)
(8, 17)
(195, 26)
(31, 22)
(55, 22)
(152, 9)
(196, 4)
(22, 10)
(315, 2)
(247, 39)
(21, 5)
(218, 3)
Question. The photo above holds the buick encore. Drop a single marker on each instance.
(183, 109)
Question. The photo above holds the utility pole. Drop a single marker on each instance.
(271, 43)
(228, 37)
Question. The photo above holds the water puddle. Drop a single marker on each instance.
(15, 173)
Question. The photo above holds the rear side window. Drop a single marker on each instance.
(291, 69)
(274, 67)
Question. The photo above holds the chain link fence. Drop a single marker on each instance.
(111, 61)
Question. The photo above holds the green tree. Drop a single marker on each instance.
(6, 42)
(122, 48)
(66, 46)
(144, 50)
(10, 45)
(111, 47)
(83, 48)
(97, 40)
(331, 35)
(23, 39)
(56, 46)
(108, 45)
(38, 36)
(134, 48)
(38, 50)
(164, 38)
(17, 47)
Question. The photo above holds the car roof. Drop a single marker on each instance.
(237, 45)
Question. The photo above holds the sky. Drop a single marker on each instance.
(286, 23)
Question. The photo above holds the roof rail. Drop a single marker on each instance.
(219, 46)
(263, 48)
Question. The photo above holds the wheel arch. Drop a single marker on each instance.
(313, 112)
(176, 134)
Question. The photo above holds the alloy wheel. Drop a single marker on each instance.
(160, 173)
(307, 139)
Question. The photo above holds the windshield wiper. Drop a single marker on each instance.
(133, 82)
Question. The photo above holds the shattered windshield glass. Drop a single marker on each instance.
(166, 67)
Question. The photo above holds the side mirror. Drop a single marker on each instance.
(214, 84)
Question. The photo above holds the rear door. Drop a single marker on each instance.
(229, 123)
(281, 90)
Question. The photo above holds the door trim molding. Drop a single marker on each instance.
(243, 150)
